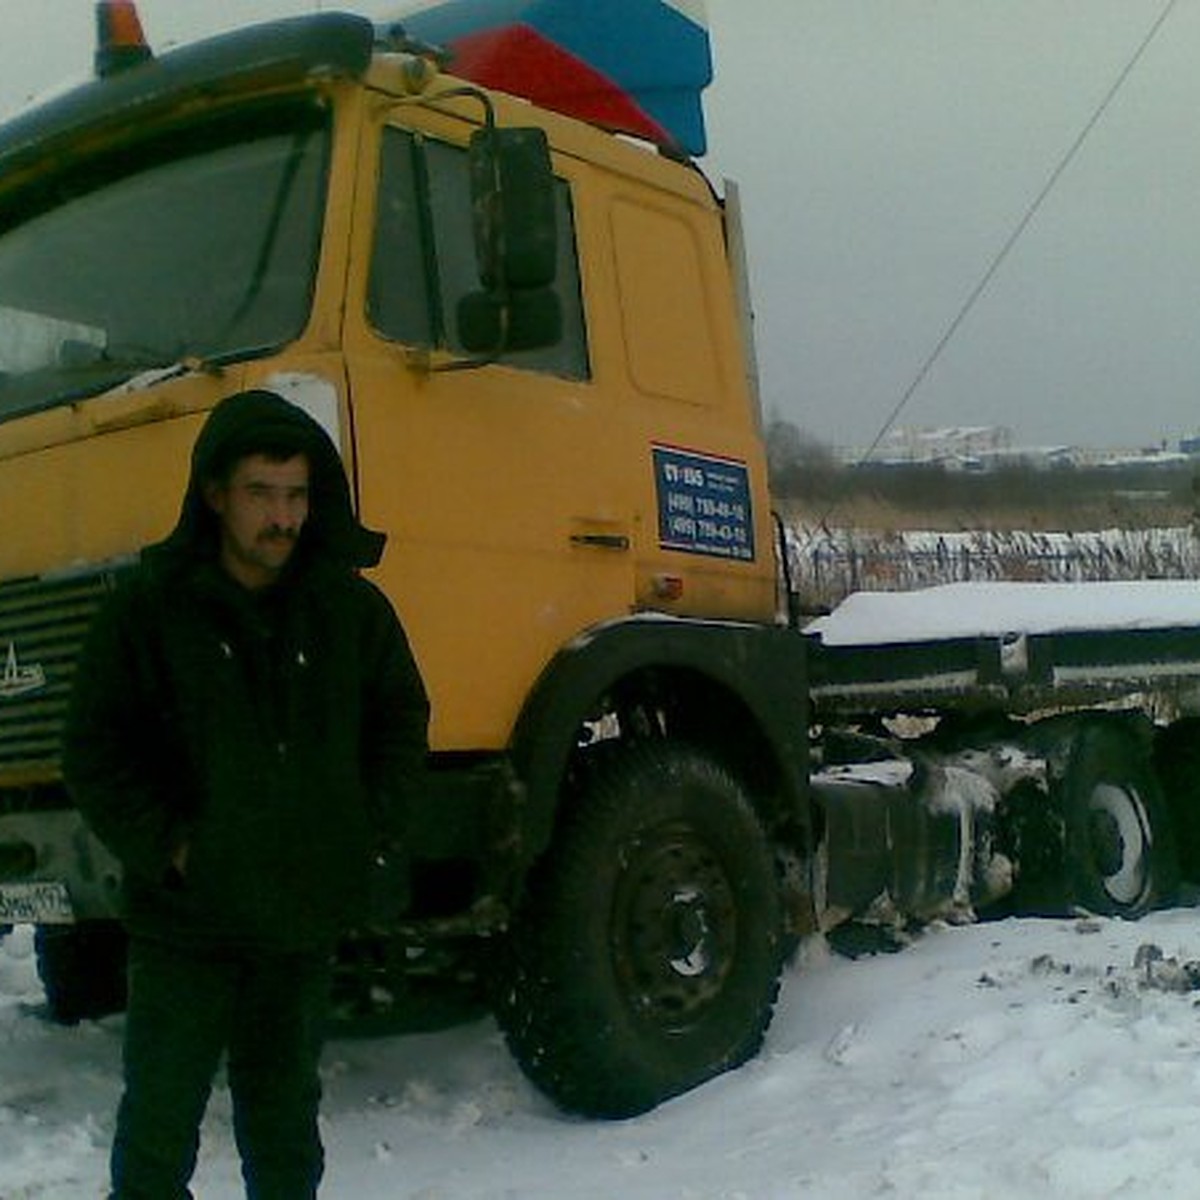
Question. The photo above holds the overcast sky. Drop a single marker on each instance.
(886, 151)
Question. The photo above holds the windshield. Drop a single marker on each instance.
(203, 246)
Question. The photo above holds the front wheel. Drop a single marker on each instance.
(647, 954)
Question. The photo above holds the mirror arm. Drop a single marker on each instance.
(466, 364)
(469, 93)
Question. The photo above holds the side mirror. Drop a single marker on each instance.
(521, 320)
(512, 198)
(516, 245)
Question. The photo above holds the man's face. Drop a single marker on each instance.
(262, 508)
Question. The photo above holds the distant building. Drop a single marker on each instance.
(983, 448)
(954, 444)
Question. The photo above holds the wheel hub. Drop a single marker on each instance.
(686, 912)
(1119, 838)
(675, 930)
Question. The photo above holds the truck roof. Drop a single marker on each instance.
(655, 95)
(274, 53)
(629, 66)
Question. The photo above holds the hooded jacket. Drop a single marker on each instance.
(280, 735)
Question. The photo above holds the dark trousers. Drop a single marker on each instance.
(186, 1008)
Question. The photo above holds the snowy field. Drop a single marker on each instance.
(1022, 1059)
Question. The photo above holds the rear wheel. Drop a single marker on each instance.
(1120, 849)
(647, 955)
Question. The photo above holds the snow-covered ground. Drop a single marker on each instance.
(1025, 1058)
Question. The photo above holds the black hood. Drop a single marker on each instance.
(238, 426)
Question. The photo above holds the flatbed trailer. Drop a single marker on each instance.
(1019, 647)
(1045, 738)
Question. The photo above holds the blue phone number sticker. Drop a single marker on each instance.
(703, 504)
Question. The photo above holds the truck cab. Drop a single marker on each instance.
(523, 334)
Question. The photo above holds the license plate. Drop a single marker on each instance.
(38, 902)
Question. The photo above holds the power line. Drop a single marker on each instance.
(1014, 237)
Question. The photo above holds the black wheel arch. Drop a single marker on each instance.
(739, 689)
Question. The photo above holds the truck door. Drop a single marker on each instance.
(499, 485)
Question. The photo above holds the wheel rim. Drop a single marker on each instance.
(675, 927)
(1119, 841)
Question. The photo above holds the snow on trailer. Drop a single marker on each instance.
(1019, 645)
(1058, 768)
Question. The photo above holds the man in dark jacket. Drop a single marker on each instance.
(247, 732)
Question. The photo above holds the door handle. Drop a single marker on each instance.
(602, 541)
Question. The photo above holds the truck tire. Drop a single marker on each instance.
(82, 969)
(646, 957)
(1120, 850)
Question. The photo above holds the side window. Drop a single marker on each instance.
(399, 303)
(423, 258)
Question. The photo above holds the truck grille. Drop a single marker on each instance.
(42, 626)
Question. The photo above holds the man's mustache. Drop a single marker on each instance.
(279, 533)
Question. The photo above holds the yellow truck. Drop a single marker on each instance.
(528, 338)
(545, 406)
